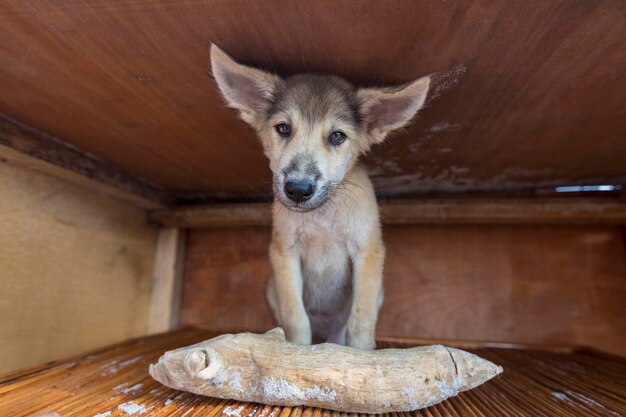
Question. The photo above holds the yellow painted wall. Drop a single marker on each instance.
(75, 268)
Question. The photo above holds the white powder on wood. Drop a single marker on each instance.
(230, 411)
(413, 402)
(444, 127)
(235, 382)
(253, 412)
(131, 408)
(113, 367)
(265, 411)
(560, 396)
(105, 414)
(130, 361)
(224, 378)
(451, 391)
(131, 389)
(570, 395)
(275, 389)
(446, 80)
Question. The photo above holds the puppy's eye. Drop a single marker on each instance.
(283, 129)
(337, 138)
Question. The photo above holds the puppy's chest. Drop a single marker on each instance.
(324, 247)
(323, 236)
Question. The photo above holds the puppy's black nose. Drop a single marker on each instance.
(299, 191)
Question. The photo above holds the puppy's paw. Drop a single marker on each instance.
(300, 335)
(361, 340)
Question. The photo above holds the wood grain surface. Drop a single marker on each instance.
(525, 93)
(420, 211)
(521, 284)
(75, 268)
(32, 149)
(114, 382)
(167, 280)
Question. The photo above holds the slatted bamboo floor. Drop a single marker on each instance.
(114, 382)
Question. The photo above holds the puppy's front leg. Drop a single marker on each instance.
(288, 280)
(368, 295)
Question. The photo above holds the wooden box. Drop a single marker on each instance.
(135, 206)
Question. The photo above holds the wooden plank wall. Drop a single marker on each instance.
(544, 284)
(167, 279)
(492, 210)
(75, 268)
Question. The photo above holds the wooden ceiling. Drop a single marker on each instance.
(527, 93)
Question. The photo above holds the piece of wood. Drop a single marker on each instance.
(27, 147)
(529, 284)
(266, 369)
(167, 278)
(512, 105)
(424, 211)
(10, 156)
(114, 382)
(75, 268)
(505, 211)
(214, 215)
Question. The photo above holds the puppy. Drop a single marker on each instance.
(327, 251)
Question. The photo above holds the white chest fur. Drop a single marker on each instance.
(323, 244)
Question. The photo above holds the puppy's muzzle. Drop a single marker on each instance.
(299, 191)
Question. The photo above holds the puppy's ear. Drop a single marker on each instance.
(384, 110)
(247, 89)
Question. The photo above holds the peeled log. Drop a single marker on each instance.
(265, 368)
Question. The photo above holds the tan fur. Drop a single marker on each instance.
(327, 252)
(332, 250)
